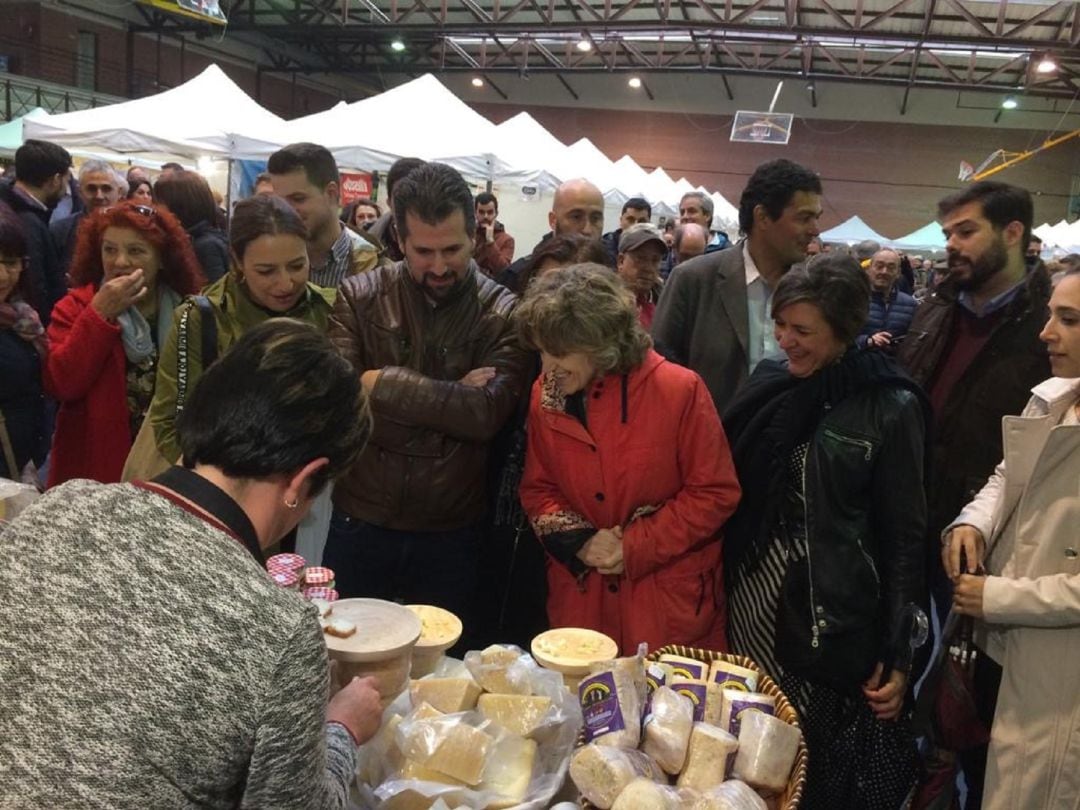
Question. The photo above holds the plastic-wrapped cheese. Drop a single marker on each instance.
(696, 690)
(667, 729)
(733, 676)
(601, 773)
(380, 755)
(767, 749)
(645, 794)
(498, 669)
(707, 757)
(448, 695)
(731, 795)
(737, 704)
(415, 771)
(521, 714)
(714, 704)
(611, 708)
(509, 771)
(448, 745)
(682, 667)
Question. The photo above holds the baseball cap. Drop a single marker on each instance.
(637, 235)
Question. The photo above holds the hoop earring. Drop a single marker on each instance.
(293, 503)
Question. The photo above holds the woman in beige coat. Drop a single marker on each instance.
(1028, 514)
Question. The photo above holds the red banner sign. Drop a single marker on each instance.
(355, 185)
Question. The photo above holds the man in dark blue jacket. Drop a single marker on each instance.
(891, 310)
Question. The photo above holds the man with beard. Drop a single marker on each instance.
(438, 358)
(714, 315)
(974, 346)
(306, 176)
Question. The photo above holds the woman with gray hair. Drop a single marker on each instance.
(825, 558)
(628, 477)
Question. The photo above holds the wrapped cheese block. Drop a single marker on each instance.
(447, 744)
(682, 667)
(707, 757)
(509, 771)
(601, 774)
(714, 704)
(425, 711)
(731, 795)
(696, 690)
(611, 708)
(521, 714)
(645, 794)
(736, 704)
(415, 771)
(499, 669)
(448, 695)
(380, 756)
(667, 729)
(656, 675)
(767, 749)
(733, 676)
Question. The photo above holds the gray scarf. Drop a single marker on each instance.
(135, 330)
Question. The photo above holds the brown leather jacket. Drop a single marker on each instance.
(424, 467)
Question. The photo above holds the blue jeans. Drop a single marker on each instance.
(427, 568)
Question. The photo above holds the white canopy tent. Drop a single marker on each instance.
(1061, 238)
(928, 238)
(851, 231)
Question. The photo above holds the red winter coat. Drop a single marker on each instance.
(87, 373)
(654, 440)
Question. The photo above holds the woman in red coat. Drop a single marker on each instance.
(628, 476)
(132, 265)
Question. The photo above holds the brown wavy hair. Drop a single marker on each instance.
(154, 223)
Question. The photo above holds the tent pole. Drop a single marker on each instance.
(228, 190)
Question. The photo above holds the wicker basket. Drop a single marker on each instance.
(792, 795)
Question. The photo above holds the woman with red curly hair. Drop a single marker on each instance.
(132, 266)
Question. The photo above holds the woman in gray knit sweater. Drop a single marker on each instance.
(146, 659)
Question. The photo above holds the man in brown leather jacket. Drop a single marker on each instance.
(432, 341)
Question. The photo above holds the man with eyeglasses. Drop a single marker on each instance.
(100, 186)
(41, 171)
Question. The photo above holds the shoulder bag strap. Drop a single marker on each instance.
(9, 451)
(208, 344)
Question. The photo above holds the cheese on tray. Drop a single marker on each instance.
(645, 794)
(667, 729)
(448, 695)
(601, 774)
(521, 714)
(767, 749)
(707, 757)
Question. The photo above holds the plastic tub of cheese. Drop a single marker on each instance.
(381, 646)
(572, 650)
(439, 631)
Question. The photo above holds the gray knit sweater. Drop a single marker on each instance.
(147, 661)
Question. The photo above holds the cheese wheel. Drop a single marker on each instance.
(706, 757)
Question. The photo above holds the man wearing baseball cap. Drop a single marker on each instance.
(641, 250)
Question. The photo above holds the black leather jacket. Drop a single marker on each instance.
(865, 521)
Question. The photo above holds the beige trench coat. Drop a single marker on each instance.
(1033, 607)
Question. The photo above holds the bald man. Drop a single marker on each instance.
(577, 207)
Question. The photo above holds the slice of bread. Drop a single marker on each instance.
(339, 628)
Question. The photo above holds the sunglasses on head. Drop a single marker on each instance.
(145, 210)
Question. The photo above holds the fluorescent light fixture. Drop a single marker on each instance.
(1046, 65)
(584, 45)
(634, 82)
(1009, 103)
(477, 81)
(397, 45)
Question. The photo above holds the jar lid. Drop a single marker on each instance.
(289, 562)
(326, 594)
(318, 575)
(285, 579)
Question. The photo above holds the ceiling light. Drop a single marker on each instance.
(397, 45)
(477, 81)
(634, 82)
(584, 45)
(1046, 65)
(1009, 103)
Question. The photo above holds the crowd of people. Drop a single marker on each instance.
(776, 448)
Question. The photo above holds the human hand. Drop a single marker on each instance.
(613, 563)
(489, 233)
(358, 707)
(599, 547)
(118, 294)
(968, 595)
(885, 701)
(879, 340)
(478, 377)
(970, 541)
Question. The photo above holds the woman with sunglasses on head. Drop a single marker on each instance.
(269, 279)
(132, 266)
(22, 353)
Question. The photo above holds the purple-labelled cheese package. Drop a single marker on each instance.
(611, 709)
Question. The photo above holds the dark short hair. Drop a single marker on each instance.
(37, 161)
(772, 185)
(367, 202)
(262, 215)
(318, 164)
(171, 167)
(263, 177)
(1001, 204)
(707, 206)
(487, 198)
(433, 192)
(278, 399)
(566, 249)
(398, 171)
(638, 204)
(1035, 238)
(188, 196)
(836, 285)
(13, 243)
